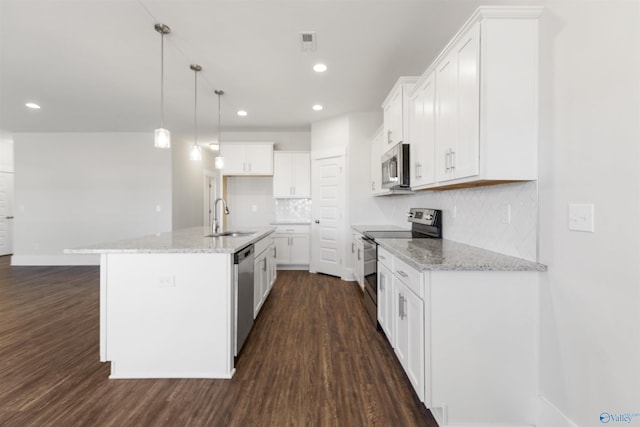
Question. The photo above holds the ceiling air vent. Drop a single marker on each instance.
(308, 41)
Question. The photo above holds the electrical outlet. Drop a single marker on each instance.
(166, 282)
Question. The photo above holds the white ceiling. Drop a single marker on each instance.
(94, 65)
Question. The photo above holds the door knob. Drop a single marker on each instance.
(317, 221)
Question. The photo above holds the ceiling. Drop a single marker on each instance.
(94, 65)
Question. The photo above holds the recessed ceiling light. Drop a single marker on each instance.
(242, 113)
(317, 107)
(32, 105)
(319, 68)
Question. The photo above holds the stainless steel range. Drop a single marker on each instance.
(425, 224)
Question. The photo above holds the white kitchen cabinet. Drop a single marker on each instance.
(292, 175)
(422, 102)
(480, 347)
(486, 104)
(386, 294)
(408, 309)
(255, 158)
(292, 246)
(457, 118)
(395, 113)
(357, 258)
(264, 273)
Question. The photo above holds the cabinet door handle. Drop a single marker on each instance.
(249, 166)
(447, 160)
(359, 254)
(264, 266)
(400, 306)
(389, 140)
(402, 273)
(353, 247)
(382, 282)
(275, 252)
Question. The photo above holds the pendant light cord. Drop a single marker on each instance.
(161, 80)
(195, 108)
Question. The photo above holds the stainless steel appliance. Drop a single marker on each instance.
(395, 167)
(425, 224)
(243, 286)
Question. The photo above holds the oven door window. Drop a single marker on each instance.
(370, 266)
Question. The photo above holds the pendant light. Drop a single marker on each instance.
(196, 152)
(162, 137)
(219, 161)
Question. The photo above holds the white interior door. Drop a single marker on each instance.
(6, 213)
(328, 204)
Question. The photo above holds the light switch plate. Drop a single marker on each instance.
(581, 217)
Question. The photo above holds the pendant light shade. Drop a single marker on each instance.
(162, 137)
(219, 161)
(196, 152)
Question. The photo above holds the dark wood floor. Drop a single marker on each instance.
(312, 359)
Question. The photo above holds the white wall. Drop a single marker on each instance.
(188, 184)
(6, 152)
(590, 153)
(73, 190)
(250, 201)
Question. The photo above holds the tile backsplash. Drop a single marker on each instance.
(501, 218)
(293, 209)
(477, 217)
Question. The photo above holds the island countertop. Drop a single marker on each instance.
(441, 254)
(187, 240)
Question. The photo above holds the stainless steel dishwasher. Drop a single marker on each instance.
(243, 291)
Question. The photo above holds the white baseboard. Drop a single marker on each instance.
(59, 260)
(550, 416)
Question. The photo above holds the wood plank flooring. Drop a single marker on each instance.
(312, 359)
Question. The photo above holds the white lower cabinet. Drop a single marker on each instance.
(386, 294)
(466, 340)
(292, 246)
(408, 320)
(357, 254)
(264, 272)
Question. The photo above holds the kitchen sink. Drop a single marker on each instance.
(231, 234)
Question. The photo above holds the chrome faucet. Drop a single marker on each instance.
(214, 225)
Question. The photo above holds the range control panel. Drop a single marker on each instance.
(425, 216)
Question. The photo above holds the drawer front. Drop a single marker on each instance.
(409, 276)
(385, 258)
(261, 245)
(292, 229)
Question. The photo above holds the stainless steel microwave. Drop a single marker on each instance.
(395, 167)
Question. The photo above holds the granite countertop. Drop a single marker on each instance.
(440, 254)
(362, 228)
(188, 240)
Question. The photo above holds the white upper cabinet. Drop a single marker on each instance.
(253, 158)
(292, 175)
(395, 108)
(422, 131)
(484, 129)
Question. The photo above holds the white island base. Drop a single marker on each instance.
(167, 315)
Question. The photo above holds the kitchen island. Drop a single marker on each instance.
(167, 303)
